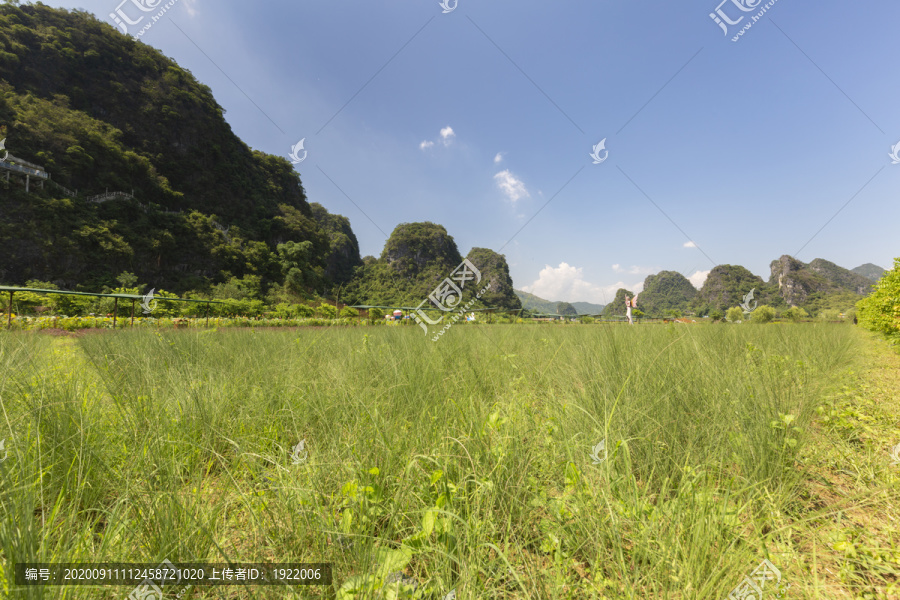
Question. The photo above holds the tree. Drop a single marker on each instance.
(734, 314)
(294, 259)
(763, 314)
(127, 280)
(565, 309)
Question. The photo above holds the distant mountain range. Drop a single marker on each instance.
(532, 302)
(814, 286)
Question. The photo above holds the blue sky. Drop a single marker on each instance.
(483, 119)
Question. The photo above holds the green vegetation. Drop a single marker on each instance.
(566, 310)
(880, 312)
(869, 271)
(726, 286)
(762, 314)
(734, 314)
(795, 314)
(667, 291)
(145, 445)
(416, 259)
(495, 272)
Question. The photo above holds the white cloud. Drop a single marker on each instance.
(447, 135)
(511, 185)
(634, 270)
(698, 278)
(566, 283)
(189, 5)
(499, 158)
(690, 245)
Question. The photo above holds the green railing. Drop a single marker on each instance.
(133, 297)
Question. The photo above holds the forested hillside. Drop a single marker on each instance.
(100, 111)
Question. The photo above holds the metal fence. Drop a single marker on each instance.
(134, 298)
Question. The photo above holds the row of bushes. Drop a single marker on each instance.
(76, 323)
(766, 314)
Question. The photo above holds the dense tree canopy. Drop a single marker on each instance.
(881, 310)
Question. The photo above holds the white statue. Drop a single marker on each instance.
(629, 304)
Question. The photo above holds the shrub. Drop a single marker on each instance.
(349, 313)
(763, 314)
(716, 315)
(734, 314)
(327, 310)
(795, 314)
(304, 311)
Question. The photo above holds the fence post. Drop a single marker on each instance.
(207, 314)
(9, 316)
(132, 313)
(115, 311)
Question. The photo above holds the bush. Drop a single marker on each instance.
(763, 314)
(716, 315)
(795, 314)
(587, 319)
(349, 313)
(734, 314)
(304, 311)
(327, 311)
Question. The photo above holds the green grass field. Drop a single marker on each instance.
(465, 464)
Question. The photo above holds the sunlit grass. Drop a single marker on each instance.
(465, 462)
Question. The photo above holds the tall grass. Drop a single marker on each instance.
(474, 452)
